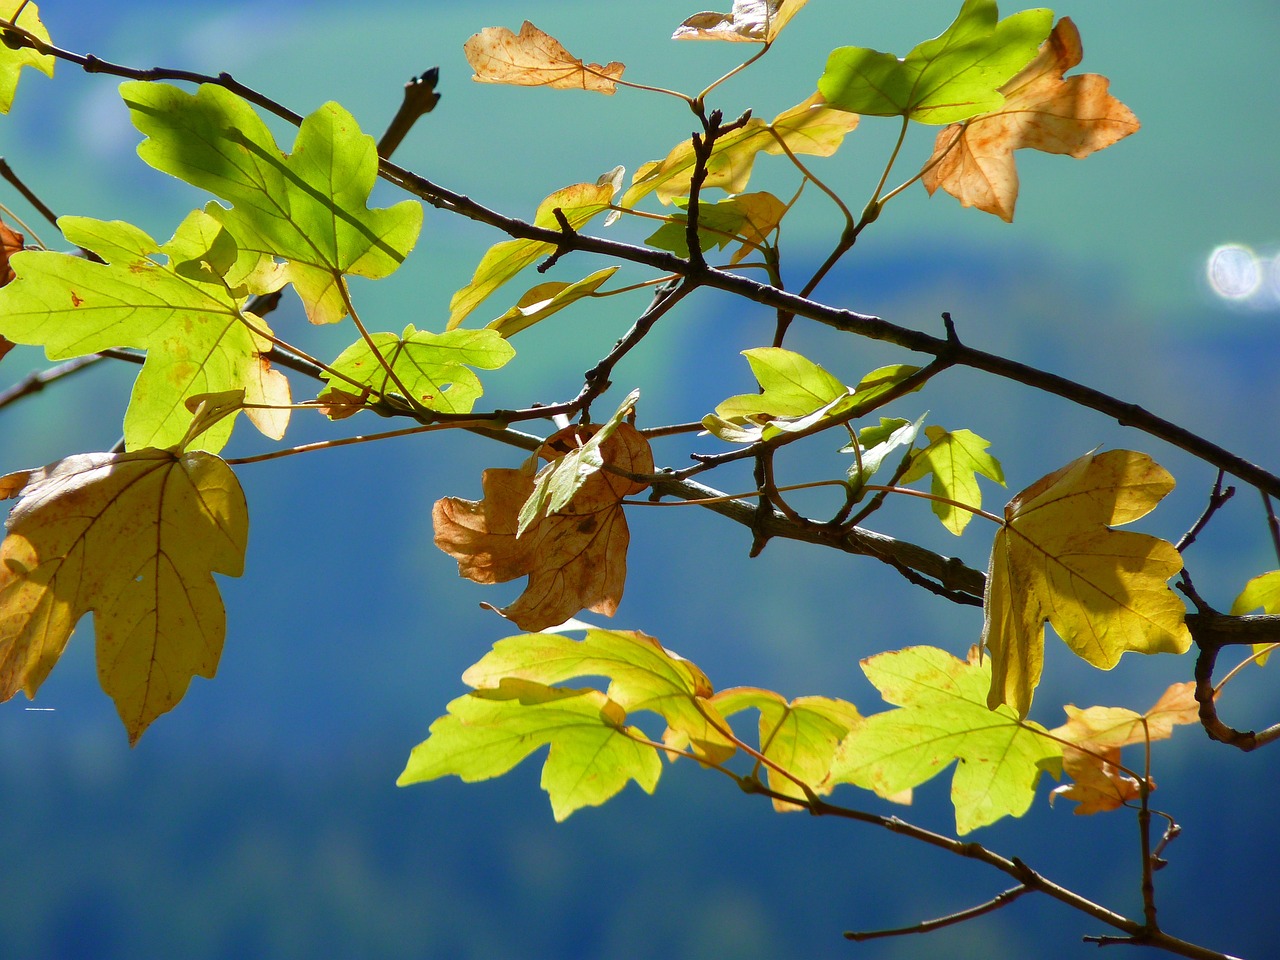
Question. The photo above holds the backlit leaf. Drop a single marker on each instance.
(747, 218)
(1262, 592)
(801, 736)
(1096, 735)
(1041, 111)
(579, 203)
(753, 21)
(532, 58)
(811, 127)
(487, 732)
(943, 717)
(643, 675)
(135, 538)
(542, 301)
(308, 208)
(1056, 559)
(875, 445)
(194, 330)
(433, 367)
(954, 460)
(954, 76)
(12, 61)
(575, 559)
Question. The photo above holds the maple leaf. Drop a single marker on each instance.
(1042, 111)
(532, 58)
(954, 76)
(943, 716)
(13, 60)
(487, 732)
(192, 325)
(1262, 592)
(575, 559)
(433, 367)
(811, 127)
(1056, 559)
(874, 445)
(134, 538)
(955, 460)
(578, 203)
(542, 301)
(1095, 736)
(800, 736)
(308, 207)
(747, 218)
(643, 675)
(11, 242)
(752, 21)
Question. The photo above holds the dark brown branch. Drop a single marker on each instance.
(420, 98)
(1217, 497)
(928, 926)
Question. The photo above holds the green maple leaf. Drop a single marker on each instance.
(135, 538)
(942, 716)
(1262, 592)
(12, 61)
(874, 446)
(952, 77)
(308, 207)
(955, 460)
(433, 367)
(801, 736)
(542, 301)
(182, 312)
(643, 675)
(487, 732)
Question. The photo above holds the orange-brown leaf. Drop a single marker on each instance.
(973, 161)
(575, 559)
(532, 58)
(11, 242)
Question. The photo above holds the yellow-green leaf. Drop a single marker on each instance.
(135, 538)
(955, 460)
(800, 737)
(942, 716)
(12, 61)
(487, 732)
(542, 301)
(578, 203)
(308, 207)
(1262, 592)
(194, 329)
(1057, 559)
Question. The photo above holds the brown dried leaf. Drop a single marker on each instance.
(535, 59)
(11, 242)
(575, 559)
(973, 161)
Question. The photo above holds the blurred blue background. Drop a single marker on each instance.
(260, 819)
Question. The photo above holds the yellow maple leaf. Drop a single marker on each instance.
(533, 58)
(1056, 559)
(973, 161)
(134, 537)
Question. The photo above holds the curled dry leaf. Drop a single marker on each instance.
(532, 58)
(750, 21)
(575, 558)
(974, 162)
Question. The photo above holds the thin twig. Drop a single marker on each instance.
(928, 926)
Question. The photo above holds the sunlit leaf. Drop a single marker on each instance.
(1056, 559)
(810, 127)
(943, 717)
(433, 367)
(1262, 592)
(487, 732)
(12, 61)
(747, 218)
(875, 445)
(194, 329)
(542, 301)
(308, 208)
(1041, 111)
(532, 58)
(754, 21)
(578, 203)
(954, 76)
(135, 538)
(574, 559)
(800, 736)
(954, 460)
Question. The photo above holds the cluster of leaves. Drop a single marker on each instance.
(134, 535)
